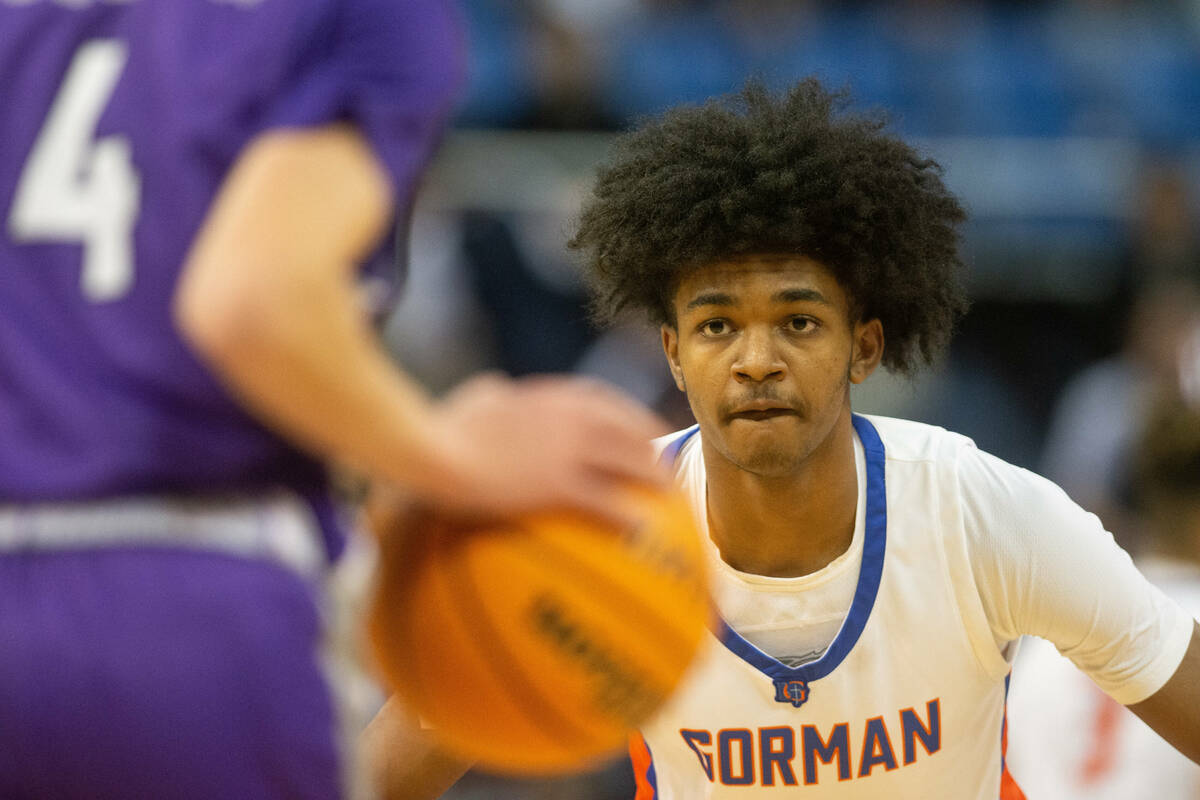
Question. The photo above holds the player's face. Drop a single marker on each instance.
(766, 350)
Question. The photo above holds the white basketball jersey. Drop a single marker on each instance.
(908, 701)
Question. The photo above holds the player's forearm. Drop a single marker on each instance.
(308, 366)
(404, 760)
(267, 299)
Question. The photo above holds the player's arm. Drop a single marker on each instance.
(404, 760)
(1045, 567)
(268, 299)
(1174, 710)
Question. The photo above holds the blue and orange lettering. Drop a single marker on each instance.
(694, 740)
(776, 749)
(815, 747)
(877, 748)
(745, 740)
(930, 735)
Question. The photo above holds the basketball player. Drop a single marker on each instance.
(187, 190)
(872, 575)
(1069, 740)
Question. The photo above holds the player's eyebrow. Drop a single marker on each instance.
(784, 296)
(800, 296)
(711, 299)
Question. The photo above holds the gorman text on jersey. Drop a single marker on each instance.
(784, 756)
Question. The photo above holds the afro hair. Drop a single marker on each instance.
(759, 174)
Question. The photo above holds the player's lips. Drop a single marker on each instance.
(758, 410)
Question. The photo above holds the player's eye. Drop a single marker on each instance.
(714, 327)
(802, 324)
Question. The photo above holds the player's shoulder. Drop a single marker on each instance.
(954, 458)
(977, 476)
(907, 440)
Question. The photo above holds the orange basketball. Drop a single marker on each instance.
(535, 647)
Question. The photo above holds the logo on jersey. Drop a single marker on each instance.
(791, 691)
(794, 755)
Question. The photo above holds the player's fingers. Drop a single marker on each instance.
(603, 401)
(486, 384)
(599, 497)
(626, 459)
(634, 417)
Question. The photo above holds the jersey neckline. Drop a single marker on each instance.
(869, 576)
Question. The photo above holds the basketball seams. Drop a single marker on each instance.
(631, 605)
(500, 660)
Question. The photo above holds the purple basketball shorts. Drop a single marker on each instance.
(163, 672)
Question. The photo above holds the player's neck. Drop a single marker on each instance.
(787, 526)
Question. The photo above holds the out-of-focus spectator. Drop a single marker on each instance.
(1102, 408)
(1166, 229)
(564, 60)
(522, 280)
(534, 64)
(1069, 741)
(492, 290)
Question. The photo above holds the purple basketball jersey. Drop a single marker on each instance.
(118, 123)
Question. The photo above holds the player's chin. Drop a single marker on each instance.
(775, 457)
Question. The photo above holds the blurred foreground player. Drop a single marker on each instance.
(187, 188)
(1070, 741)
(873, 575)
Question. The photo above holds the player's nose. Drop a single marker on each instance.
(757, 358)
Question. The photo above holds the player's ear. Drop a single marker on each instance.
(670, 343)
(868, 349)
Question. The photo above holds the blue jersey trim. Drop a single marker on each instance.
(670, 453)
(1004, 736)
(869, 576)
(651, 772)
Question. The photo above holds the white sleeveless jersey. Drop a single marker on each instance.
(908, 701)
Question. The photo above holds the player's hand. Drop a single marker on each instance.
(504, 447)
